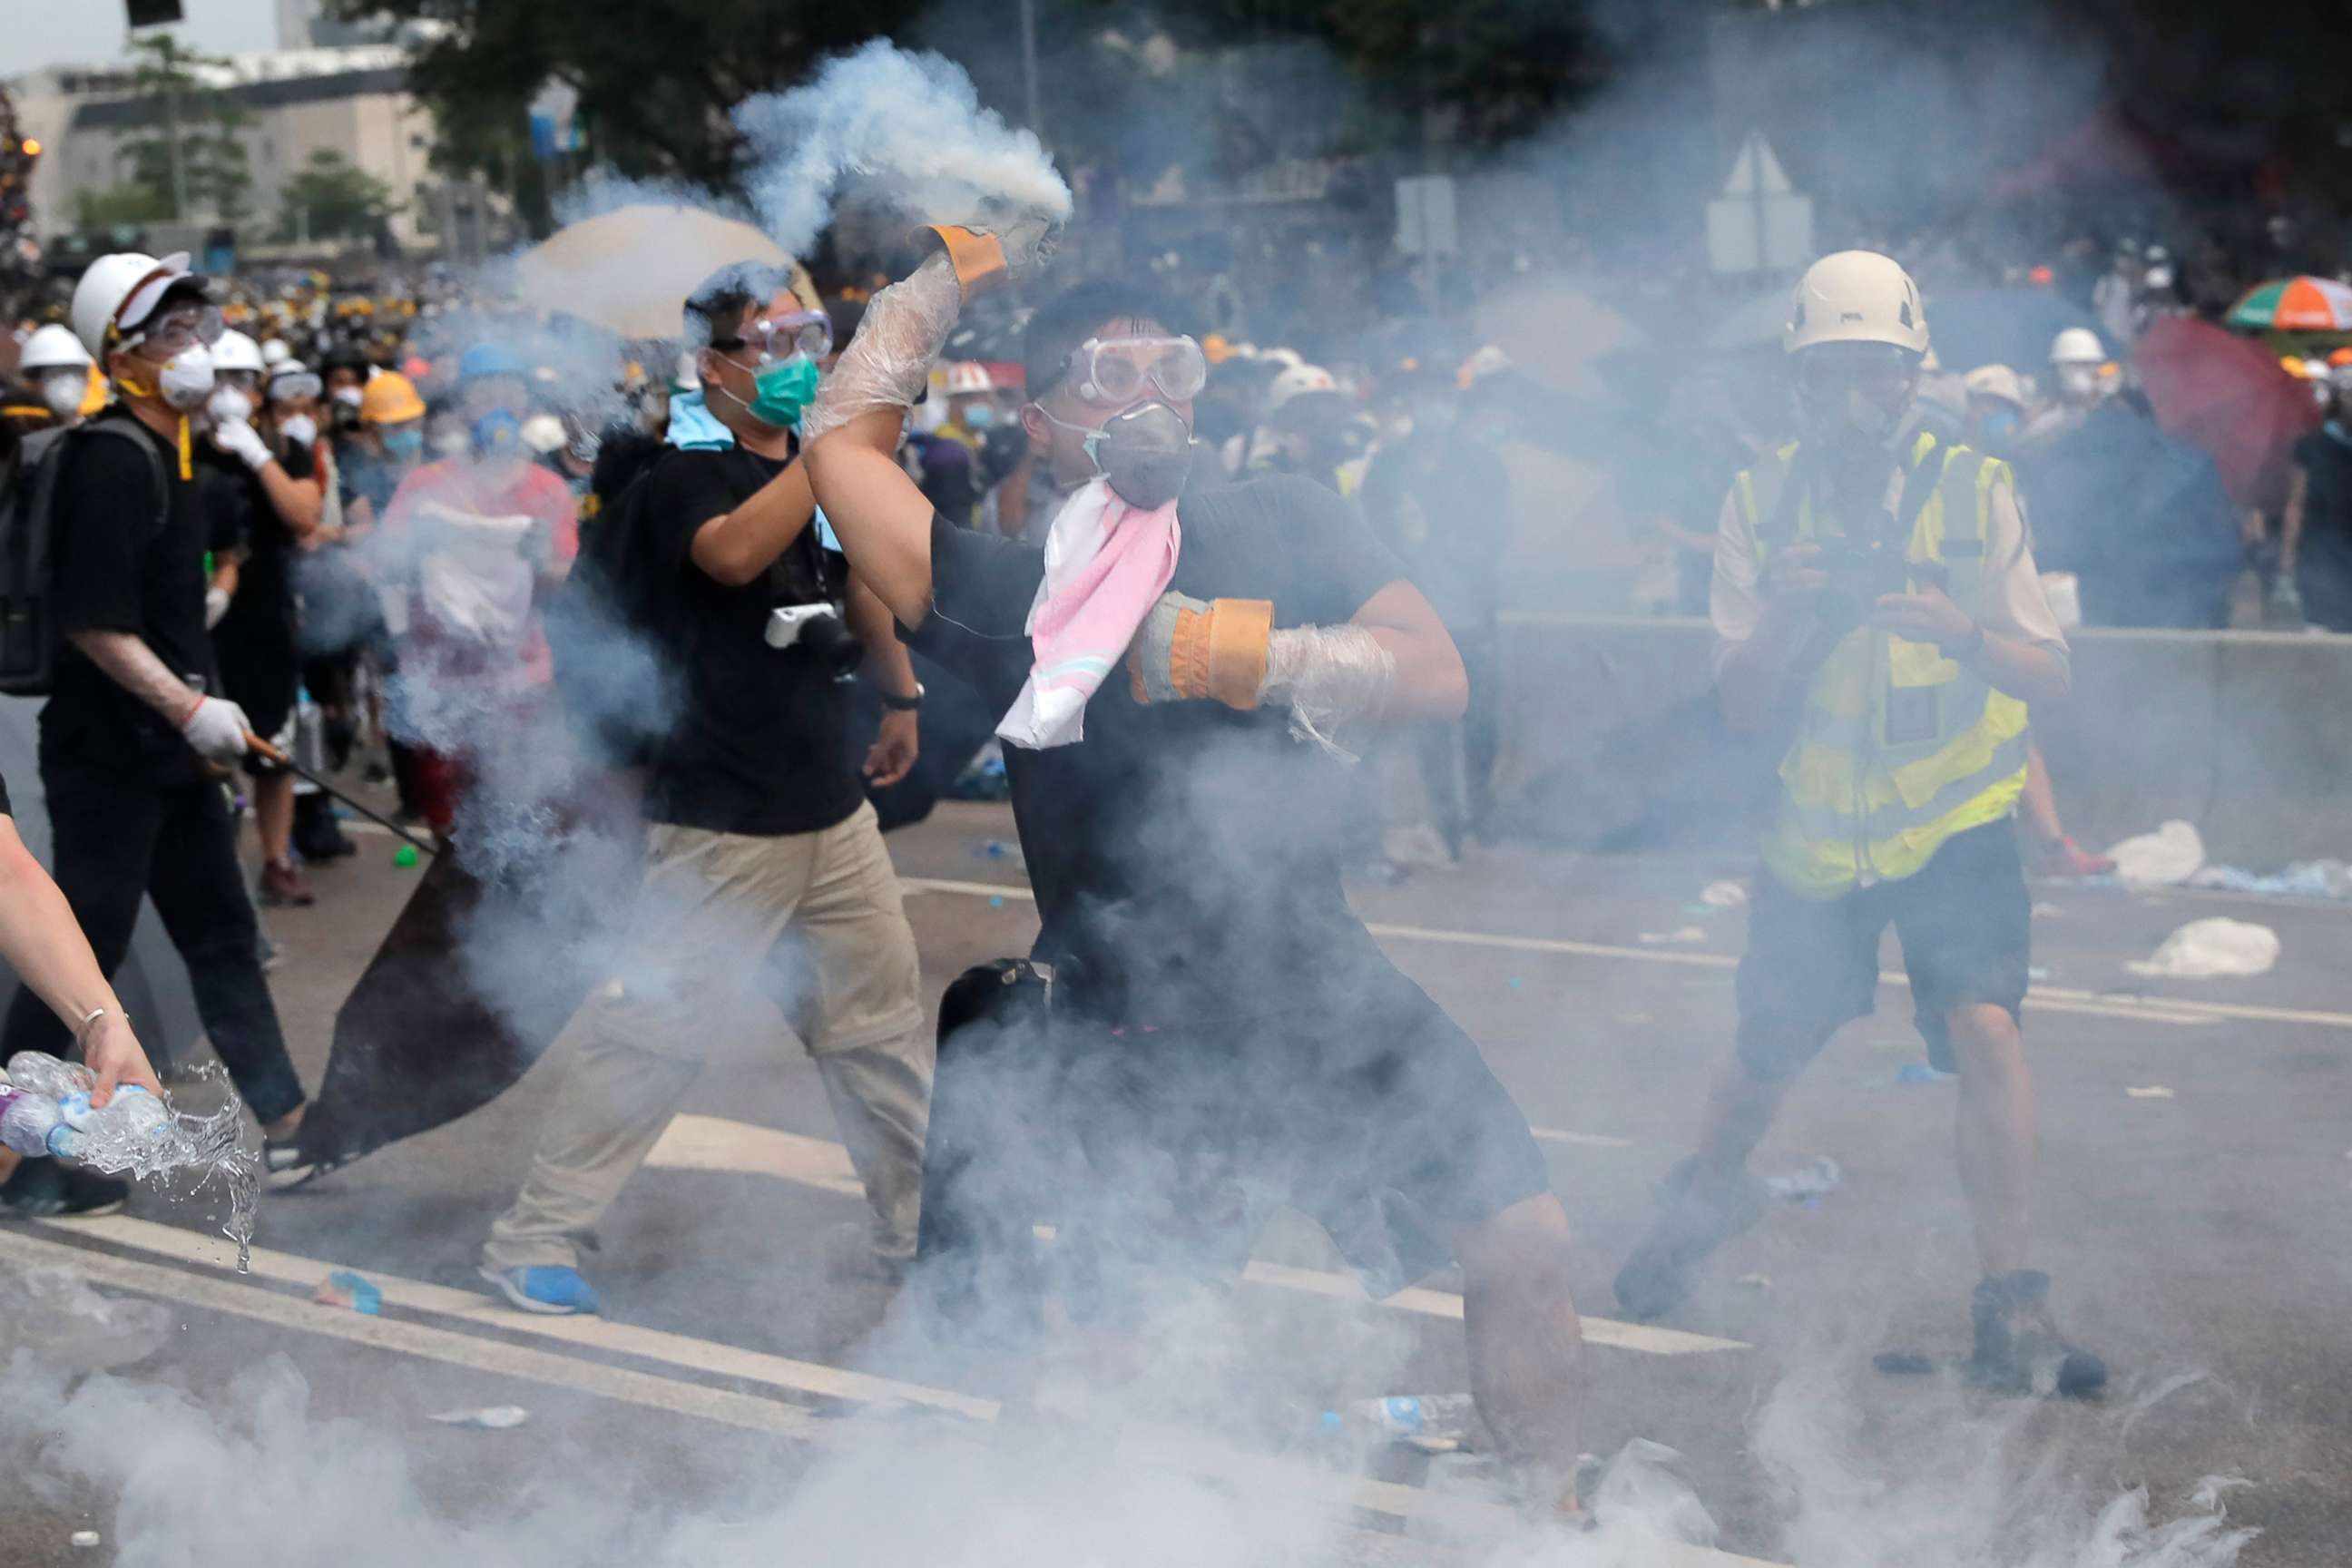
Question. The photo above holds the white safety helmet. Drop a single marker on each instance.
(2077, 345)
(1856, 297)
(273, 350)
(52, 347)
(1290, 359)
(1298, 379)
(234, 350)
(1996, 380)
(967, 376)
(122, 291)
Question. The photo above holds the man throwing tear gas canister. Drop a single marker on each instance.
(1179, 671)
(1874, 600)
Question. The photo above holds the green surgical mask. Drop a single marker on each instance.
(780, 392)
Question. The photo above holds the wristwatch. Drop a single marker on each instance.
(904, 704)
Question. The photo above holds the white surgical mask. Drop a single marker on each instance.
(452, 442)
(64, 391)
(349, 397)
(187, 379)
(229, 406)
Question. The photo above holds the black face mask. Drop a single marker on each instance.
(1146, 453)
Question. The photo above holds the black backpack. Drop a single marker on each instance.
(28, 535)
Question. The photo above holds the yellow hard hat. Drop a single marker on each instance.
(388, 398)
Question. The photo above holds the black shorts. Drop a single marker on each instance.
(1811, 966)
(1381, 1120)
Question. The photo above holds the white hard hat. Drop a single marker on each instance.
(1290, 359)
(234, 350)
(273, 350)
(2077, 345)
(1297, 379)
(1856, 297)
(122, 291)
(1995, 380)
(967, 376)
(52, 347)
(543, 433)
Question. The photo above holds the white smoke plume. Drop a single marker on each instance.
(907, 129)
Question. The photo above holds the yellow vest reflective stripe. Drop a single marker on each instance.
(1898, 747)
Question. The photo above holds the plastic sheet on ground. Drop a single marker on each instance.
(2213, 948)
(2324, 878)
(2164, 858)
(54, 1315)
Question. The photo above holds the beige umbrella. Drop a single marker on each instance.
(630, 269)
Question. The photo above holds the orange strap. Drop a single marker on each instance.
(978, 259)
(1221, 653)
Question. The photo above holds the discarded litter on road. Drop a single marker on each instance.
(2214, 948)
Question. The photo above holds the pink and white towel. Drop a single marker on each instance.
(1107, 563)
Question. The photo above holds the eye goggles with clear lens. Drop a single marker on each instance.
(805, 332)
(1118, 371)
(179, 329)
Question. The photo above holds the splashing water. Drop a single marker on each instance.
(183, 1152)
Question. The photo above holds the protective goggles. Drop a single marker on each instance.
(177, 330)
(1119, 371)
(801, 333)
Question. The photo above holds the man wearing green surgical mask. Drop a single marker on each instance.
(764, 867)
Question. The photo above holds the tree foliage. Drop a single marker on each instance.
(203, 125)
(331, 199)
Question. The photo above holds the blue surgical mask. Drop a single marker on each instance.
(408, 443)
(1998, 433)
(980, 417)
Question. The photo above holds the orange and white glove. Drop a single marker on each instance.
(1190, 649)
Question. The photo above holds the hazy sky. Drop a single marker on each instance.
(37, 33)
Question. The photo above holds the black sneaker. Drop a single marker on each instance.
(1698, 1211)
(44, 1189)
(2018, 1348)
(284, 1165)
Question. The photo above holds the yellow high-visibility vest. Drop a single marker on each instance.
(1899, 747)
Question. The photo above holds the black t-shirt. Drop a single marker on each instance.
(760, 742)
(262, 608)
(118, 568)
(1186, 856)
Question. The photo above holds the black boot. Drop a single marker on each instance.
(317, 837)
(2018, 1348)
(1699, 1209)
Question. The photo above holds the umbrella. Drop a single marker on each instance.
(2295, 305)
(151, 981)
(1999, 326)
(1555, 330)
(2228, 395)
(628, 270)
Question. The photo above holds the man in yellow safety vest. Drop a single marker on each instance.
(1875, 601)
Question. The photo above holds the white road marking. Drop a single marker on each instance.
(468, 1351)
(813, 1379)
(225, 1294)
(716, 1143)
(2180, 1010)
(1583, 1139)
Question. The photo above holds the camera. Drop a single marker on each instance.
(820, 631)
(1860, 574)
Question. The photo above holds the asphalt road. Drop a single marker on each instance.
(2194, 1230)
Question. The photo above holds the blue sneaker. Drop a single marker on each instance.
(554, 1291)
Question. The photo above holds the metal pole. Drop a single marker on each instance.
(179, 158)
(1029, 67)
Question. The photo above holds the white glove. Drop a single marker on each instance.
(215, 605)
(216, 729)
(241, 440)
(301, 429)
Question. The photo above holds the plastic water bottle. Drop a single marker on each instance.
(115, 1137)
(1404, 1417)
(27, 1120)
(41, 1073)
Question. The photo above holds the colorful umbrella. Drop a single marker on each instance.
(2295, 305)
(2229, 396)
